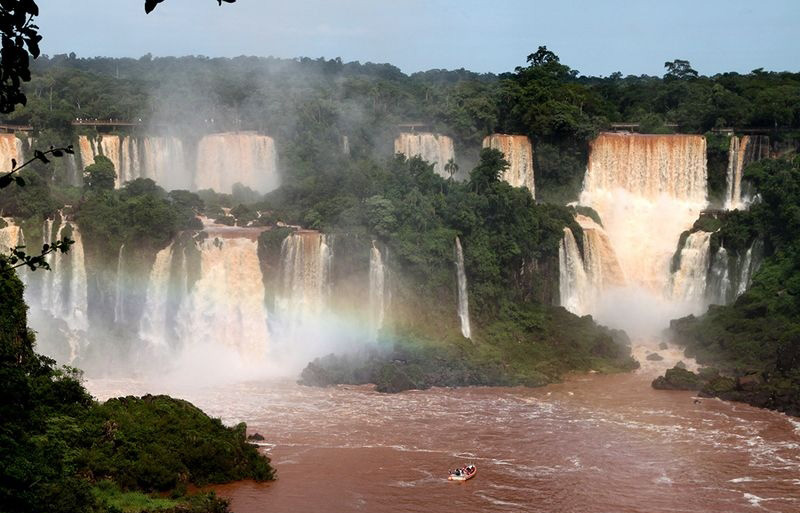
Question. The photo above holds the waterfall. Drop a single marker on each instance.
(243, 157)
(433, 148)
(376, 289)
(10, 236)
(225, 307)
(719, 286)
(10, 148)
(345, 145)
(64, 288)
(573, 285)
(463, 300)
(647, 189)
(153, 326)
(306, 262)
(165, 163)
(742, 151)
(119, 293)
(518, 152)
(688, 282)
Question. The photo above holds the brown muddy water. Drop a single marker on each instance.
(592, 444)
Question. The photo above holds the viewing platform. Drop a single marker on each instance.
(106, 122)
(12, 129)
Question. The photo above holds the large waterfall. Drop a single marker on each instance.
(518, 152)
(119, 293)
(647, 190)
(743, 151)
(463, 300)
(224, 307)
(377, 289)
(221, 160)
(730, 274)
(434, 148)
(574, 287)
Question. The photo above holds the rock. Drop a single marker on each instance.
(749, 381)
(255, 437)
(678, 379)
(654, 357)
(663, 346)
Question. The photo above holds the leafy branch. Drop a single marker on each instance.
(149, 5)
(7, 179)
(18, 258)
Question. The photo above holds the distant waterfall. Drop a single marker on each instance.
(64, 288)
(573, 284)
(689, 280)
(10, 148)
(243, 157)
(463, 300)
(743, 151)
(518, 151)
(221, 160)
(224, 307)
(153, 326)
(376, 289)
(10, 236)
(730, 275)
(119, 293)
(305, 270)
(433, 148)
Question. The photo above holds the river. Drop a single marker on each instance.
(595, 443)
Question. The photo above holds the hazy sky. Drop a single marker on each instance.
(597, 37)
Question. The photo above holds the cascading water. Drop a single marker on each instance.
(463, 300)
(573, 283)
(242, 157)
(434, 148)
(743, 151)
(221, 161)
(64, 289)
(153, 326)
(225, 306)
(119, 293)
(10, 236)
(11, 147)
(688, 282)
(376, 289)
(518, 152)
(305, 270)
(647, 190)
(719, 280)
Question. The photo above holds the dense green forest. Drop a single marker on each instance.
(308, 104)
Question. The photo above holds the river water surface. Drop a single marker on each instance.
(595, 443)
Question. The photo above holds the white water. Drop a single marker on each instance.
(463, 300)
(119, 292)
(688, 283)
(221, 160)
(518, 152)
(647, 191)
(433, 148)
(10, 148)
(573, 283)
(377, 289)
(153, 326)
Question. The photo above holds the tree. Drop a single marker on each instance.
(491, 166)
(679, 70)
(100, 175)
(451, 168)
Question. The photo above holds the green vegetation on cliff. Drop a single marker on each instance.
(760, 333)
(57, 444)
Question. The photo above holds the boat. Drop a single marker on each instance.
(464, 473)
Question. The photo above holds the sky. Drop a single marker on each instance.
(596, 37)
